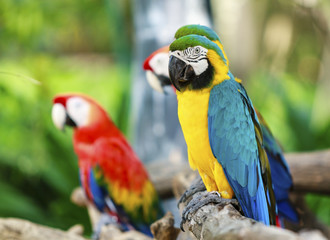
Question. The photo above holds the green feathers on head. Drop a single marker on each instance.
(201, 31)
(193, 40)
(198, 30)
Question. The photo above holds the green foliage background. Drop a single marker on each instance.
(69, 47)
(84, 46)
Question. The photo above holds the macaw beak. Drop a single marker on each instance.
(60, 117)
(180, 72)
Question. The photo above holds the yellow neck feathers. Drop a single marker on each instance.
(220, 68)
(223, 51)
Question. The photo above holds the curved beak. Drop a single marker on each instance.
(60, 117)
(154, 81)
(180, 73)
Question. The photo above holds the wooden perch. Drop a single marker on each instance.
(111, 232)
(17, 229)
(224, 219)
(225, 222)
(310, 173)
(164, 229)
(163, 173)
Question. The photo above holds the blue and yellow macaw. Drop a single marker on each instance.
(220, 126)
(281, 177)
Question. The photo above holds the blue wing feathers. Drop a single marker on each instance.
(233, 143)
(282, 181)
(287, 211)
(281, 188)
(252, 206)
(280, 173)
(98, 192)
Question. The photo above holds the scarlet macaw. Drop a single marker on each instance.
(111, 174)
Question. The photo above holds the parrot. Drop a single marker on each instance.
(156, 67)
(156, 64)
(221, 128)
(280, 172)
(112, 176)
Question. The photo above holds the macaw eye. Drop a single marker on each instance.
(78, 110)
(197, 50)
(77, 105)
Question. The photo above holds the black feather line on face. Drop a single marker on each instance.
(204, 79)
(164, 80)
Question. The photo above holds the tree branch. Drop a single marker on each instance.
(18, 229)
(225, 222)
(307, 219)
(310, 171)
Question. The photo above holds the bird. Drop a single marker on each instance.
(221, 128)
(112, 176)
(157, 63)
(156, 67)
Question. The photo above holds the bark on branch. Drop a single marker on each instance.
(18, 229)
(310, 171)
(225, 222)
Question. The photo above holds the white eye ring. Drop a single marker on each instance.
(78, 110)
(197, 50)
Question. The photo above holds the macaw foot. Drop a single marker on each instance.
(203, 198)
(196, 186)
(105, 219)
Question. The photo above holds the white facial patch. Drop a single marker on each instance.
(78, 110)
(194, 56)
(159, 64)
(58, 115)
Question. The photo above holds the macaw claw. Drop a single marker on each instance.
(196, 186)
(203, 198)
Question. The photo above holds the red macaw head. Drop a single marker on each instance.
(76, 110)
(156, 67)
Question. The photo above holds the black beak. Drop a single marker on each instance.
(181, 74)
(69, 121)
(164, 80)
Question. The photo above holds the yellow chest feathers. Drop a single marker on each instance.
(192, 112)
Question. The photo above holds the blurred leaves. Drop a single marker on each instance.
(65, 45)
(62, 26)
(321, 208)
(286, 103)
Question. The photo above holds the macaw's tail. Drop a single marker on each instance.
(126, 225)
(287, 211)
